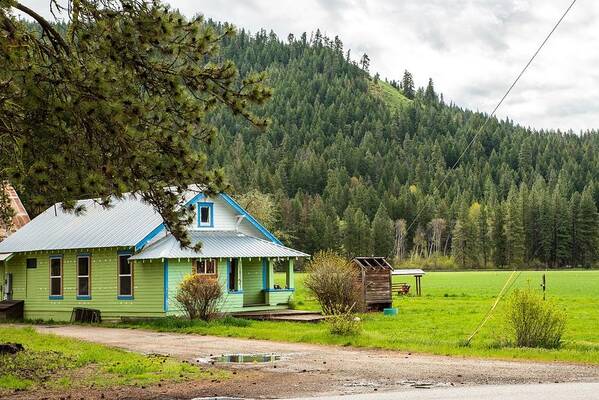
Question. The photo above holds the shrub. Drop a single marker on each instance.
(534, 322)
(335, 283)
(345, 324)
(200, 297)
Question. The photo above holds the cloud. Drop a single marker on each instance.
(473, 49)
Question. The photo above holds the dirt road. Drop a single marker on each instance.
(306, 369)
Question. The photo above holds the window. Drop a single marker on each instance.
(55, 276)
(83, 276)
(205, 215)
(232, 278)
(125, 275)
(204, 267)
(32, 263)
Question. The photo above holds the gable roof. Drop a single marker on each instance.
(216, 244)
(128, 222)
(125, 223)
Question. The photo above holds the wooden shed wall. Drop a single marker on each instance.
(377, 286)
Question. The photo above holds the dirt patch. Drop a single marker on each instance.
(305, 369)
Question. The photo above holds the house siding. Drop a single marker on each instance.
(149, 300)
(32, 285)
(177, 271)
(253, 282)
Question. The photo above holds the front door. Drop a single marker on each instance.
(253, 282)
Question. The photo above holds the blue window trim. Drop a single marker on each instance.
(251, 219)
(55, 256)
(228, 273)
(280, 290)
(165, 284)
(235, 291)
(84, 297)
(210, 206)
(125, 297)
(124, 253)
(264, 273)
(56, 297)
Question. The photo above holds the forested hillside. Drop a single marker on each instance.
(349, 160)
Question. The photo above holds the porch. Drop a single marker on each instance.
(251, 282)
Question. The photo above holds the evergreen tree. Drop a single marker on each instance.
(356, 233)
(383, 233)
(482, 236)
(429, 94)
(498, 237)
(514, 229)
(588, 229)
(407, 85)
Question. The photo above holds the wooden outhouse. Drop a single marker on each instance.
(376, 281)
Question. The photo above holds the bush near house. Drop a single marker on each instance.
(200, 297)
(334, 283)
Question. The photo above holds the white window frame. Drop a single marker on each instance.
(56, 277)
(201, 267)
(88, 276)
(130, 275)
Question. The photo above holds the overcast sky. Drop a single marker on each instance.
(472, 49)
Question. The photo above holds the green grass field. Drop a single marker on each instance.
(452, 305)
(54, 362)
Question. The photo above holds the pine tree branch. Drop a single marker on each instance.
(53, 35)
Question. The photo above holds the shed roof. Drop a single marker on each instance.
(5, 256)
(216, 244)
(125, 223)
(372, 262)
(413, 272)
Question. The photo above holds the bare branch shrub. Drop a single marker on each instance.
(335, 283)
(534, 322)
(200, 297)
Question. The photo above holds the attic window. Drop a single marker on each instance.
(205, 215)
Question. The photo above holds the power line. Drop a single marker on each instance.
(498, 105)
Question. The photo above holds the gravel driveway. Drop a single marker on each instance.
(306, 369)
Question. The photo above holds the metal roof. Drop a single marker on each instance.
(413, 272)
(5, 256)
(125, 223)
(216, 244)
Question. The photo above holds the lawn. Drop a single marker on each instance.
(452, 305)
(52, 362)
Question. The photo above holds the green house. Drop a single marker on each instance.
(121, 260)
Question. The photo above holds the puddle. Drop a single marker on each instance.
(245, 358)
(217, 398)
(422, 385)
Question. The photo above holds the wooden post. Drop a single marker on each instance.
(271, 274)
(239, 274)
